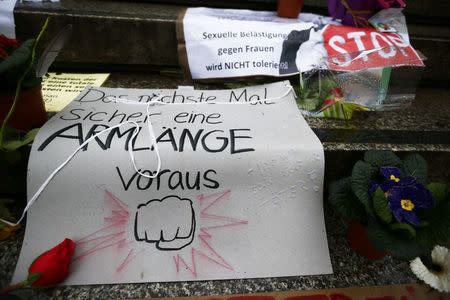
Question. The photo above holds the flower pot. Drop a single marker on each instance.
(30, 109)
(359, 242)
(289, 8)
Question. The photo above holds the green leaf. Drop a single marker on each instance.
(404, 229)
(19, 58)
(32, 277)
(423, 224)
(394, 244)
(379, 158)
(438, 230)
(11, 145)
(343, 200)
(380, 206)
(361, 175)
(342, 110)
(416, 166)
(438, 190)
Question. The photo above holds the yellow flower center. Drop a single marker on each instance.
(407, 204)
(393, 178)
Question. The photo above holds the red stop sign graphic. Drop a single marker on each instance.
(346, 45)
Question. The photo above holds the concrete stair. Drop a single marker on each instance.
(137, 42)
(141, 35)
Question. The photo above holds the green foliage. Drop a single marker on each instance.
(351, 198)
(18, 59)
(378, 159)
(343, 200)
(415, 165)
(361, 175)
(14, 140)
(313, 89)
(438, 230)
(15, 65)
(342, 110)
(381, 207)
(21, 82)
(393, 243)
(438, 190)
(17, 72)
(404, 229)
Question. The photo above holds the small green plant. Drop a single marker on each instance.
(18, 66)
(403, 214)
(320, 95)
(17, 71)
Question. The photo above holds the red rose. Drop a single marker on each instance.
(53, 265)
(7, 46)
(7, 42)
(337, 92)
(328, 102)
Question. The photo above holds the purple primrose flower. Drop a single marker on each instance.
(357, 12)
(404, 194)
(393, 177)
(405, 200)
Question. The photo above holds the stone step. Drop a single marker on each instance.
(141, 36)
(424, 126)
(415, 10)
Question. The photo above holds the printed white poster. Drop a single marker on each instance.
(239, 193)
(222, 43)
(233, 43)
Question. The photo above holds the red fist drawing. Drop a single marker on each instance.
(169, 223)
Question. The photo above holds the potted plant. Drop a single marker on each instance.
(320, 95)
(289, 8)
(21, 103)
(357, 12)
(22, 110)
(391, 202)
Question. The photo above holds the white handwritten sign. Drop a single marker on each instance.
(232, 43)
(239, 193)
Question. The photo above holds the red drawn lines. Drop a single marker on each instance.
(112, 234)
(119, 210)
(179, 260)
(131, 255)
(222, 262)
(217, 221)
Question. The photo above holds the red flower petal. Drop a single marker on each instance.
(53, 265)
(337, 92)
(328, 102)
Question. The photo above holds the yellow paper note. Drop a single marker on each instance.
(58, 89)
